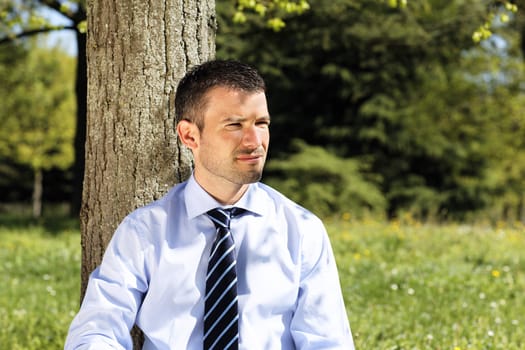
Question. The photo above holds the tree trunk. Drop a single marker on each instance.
(521, 209)
(80, 132)
(136, 52)
(37, 193)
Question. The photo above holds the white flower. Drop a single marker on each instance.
(19, 312)
(51, 291)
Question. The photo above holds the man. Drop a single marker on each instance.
(222, 261)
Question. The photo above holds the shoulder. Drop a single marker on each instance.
(154, 214)
(305, 227)
(161, 205)
(293, 211)
(281, 201)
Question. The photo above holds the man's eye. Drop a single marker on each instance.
(263, 123)
(233, 125)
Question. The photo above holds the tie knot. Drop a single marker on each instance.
(221, 217)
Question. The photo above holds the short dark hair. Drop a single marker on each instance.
(190, 99)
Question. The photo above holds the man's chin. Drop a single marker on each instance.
(249, 178)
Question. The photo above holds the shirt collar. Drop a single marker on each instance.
(198, 201)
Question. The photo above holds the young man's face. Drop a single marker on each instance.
(233, 143)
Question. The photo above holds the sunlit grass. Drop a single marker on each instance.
(414, 286)
(39, 285)
(407, 285)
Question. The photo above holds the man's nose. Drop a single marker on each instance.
(252, 136)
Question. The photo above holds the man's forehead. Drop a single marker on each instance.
(232, 90)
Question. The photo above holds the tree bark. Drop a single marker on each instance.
(136, 53)
(37, 193)
(521, 209)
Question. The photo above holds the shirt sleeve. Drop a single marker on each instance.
(114, 293)
(320, 320)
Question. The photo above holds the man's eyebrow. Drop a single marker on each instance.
(238, 118)
(233, 119)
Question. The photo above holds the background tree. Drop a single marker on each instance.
(395, 37)
(37, 115)
(19, 19)
(389, 87)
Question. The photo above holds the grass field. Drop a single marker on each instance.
(39, 282)
(406, 285)
(412, 286)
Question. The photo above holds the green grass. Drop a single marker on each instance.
(412, 286)
(39, 282)
(406, 285)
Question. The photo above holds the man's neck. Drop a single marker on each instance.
(224, 192)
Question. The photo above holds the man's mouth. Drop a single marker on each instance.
(250, 157)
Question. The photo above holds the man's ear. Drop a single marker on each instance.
(188, 133)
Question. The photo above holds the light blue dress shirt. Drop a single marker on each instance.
(153, 274)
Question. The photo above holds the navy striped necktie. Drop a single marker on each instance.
(221, 329)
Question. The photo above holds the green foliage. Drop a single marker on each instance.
(274, 11)
(38, 114)
(397, 3)
(500, 11)
(18, 18)
(325, 183)
(439, 148)
(404, 87)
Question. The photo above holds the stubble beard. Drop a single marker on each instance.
(231, 172)
(249, 177)
(244, 177)
(253, 175)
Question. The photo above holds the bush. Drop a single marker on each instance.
(325, 183)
